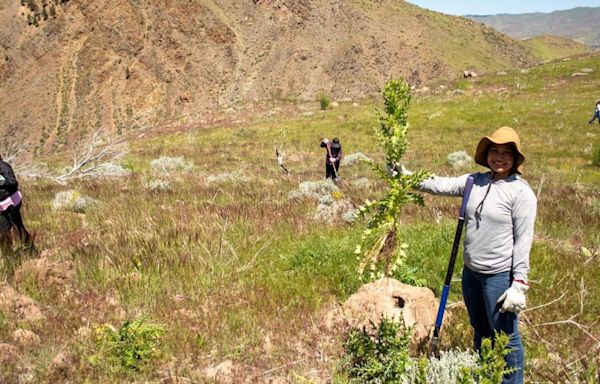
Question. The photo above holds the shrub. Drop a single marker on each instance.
(361, 183)
(324, 101)
(111, 170)
(72, 200)
(459, 159)
(128, 348)
(491, 366)
(167, 164)
(355, 158)
(313, 189)
(378, 354)
(158, 185)
(443, 370)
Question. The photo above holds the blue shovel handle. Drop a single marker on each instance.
(448, 280)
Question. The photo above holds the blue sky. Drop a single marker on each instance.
(484, 7)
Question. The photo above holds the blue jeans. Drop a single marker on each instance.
(481, 293)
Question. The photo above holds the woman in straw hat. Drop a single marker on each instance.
(499, 221)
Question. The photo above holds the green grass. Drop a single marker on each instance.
(228, 263)
(553, 47)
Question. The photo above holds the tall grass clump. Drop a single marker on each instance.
(596, 155)
(385, 256)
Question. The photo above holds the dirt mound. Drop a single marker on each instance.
(18, 306)
(415, 306)
(46, 273)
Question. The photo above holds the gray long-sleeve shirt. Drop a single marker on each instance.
(499, 231)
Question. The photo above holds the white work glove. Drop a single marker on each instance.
(2, 180)
(404, 171)
(325, 141)
(514, 297)
(332, 159)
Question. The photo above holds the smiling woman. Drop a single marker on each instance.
(499, 217)
(501, 160)
(501, 152)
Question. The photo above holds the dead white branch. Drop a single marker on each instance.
(539, 191)
(97, 151)
(546, 304)
(14, 152)
(11, 149)
(569, 321)
(279, 156)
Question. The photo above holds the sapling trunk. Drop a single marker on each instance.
(382, 256)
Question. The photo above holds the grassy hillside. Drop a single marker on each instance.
(548, 47)
(235, 270)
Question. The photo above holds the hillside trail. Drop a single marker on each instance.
(66, 98)
(242, 81)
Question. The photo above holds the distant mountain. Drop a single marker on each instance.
(580, 24)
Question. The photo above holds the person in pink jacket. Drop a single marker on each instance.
(10, 206)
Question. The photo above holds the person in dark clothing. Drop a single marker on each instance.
(332, 157)
(10, 206)
(596, 113)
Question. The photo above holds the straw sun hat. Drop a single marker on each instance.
(504, 135)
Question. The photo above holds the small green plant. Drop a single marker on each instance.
(463, 85)
(387, 254)
(128, 348)
(596, 155)
(324, 101)
(491, 366)
(379, 353)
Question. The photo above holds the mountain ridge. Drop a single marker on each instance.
(576, 24)
(121, 66)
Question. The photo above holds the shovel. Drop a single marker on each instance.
(434, 345)
(337, 177)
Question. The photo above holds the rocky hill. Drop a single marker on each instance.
(579, 24)
(68, 68)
